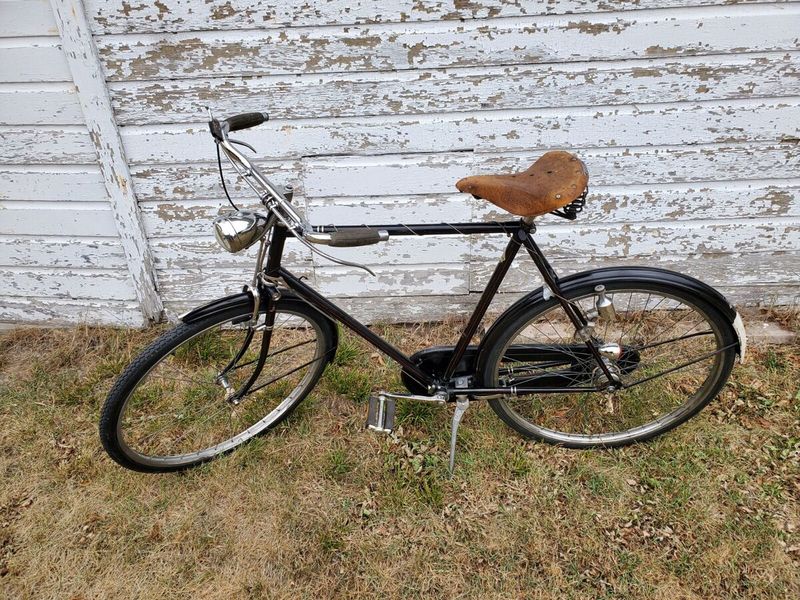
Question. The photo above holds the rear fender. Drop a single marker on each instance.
(685, 283)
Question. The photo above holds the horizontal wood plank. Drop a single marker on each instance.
(193, 181)
(390, 309)
(179, 254)
(67, 283)
(719, 270)
(677, 79)
(20, 18)
(757, 28)
(46, 145)
(437, 173)
(50, 183)
(501, 131)
(121, 16)
(41, 104)
(35, 59)
(677, 202)
(195, 286)
(330, 280)
(653, 239)
(55, 312)
(75, 253)
(50, 218)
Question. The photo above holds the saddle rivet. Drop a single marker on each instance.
(558, 196)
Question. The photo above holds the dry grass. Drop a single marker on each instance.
(321, 508)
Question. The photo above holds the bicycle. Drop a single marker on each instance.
(602, 358)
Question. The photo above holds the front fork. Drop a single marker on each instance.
(261, 294)
(262, 291)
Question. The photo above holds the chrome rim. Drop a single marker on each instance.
(178, 412)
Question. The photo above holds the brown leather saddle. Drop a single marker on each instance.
(557, 179)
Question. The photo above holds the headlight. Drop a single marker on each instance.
(239, 230)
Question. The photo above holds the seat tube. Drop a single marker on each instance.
(486, 298)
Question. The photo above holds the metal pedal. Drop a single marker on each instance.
(380, 416)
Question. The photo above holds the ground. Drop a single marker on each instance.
(321, 508)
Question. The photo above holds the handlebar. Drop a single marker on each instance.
(362, 236)
(220, 129)
(274, 199)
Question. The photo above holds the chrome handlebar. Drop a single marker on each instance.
(276, 202)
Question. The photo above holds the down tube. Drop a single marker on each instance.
(328, 308)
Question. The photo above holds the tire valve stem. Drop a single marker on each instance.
(604, 305)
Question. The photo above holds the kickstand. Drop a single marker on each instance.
(462, 404)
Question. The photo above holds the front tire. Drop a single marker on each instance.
(650, 314)
(169, 409)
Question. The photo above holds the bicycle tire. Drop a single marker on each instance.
(161, 348)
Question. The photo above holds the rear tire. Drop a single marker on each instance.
(165, 386)
(577, 420)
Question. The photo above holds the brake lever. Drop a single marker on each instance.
(241, 143)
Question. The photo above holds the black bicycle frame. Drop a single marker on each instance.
(519, 233)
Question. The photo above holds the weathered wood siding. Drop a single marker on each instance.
(687, 113)
(61, 257)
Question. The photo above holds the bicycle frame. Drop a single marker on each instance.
(286, 219)
(520, 235)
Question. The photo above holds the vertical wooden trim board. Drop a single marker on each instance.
(87, 73)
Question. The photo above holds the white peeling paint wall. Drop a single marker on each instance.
(687, 113)
(61, 259)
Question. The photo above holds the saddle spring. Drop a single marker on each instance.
(571, 210)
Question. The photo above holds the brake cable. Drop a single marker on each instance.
(222, 178)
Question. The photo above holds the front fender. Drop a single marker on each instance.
(240, 300)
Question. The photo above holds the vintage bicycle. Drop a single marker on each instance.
(602, 358)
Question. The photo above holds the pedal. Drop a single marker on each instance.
(380, 416)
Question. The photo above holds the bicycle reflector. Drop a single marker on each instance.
(239, 230)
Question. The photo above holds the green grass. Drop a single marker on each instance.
(321, 508)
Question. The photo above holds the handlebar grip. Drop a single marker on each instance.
(243, 121)
(362, 236)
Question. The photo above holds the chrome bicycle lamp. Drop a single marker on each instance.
(239, 230)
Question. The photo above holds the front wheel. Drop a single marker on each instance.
(675, 352)
(176, 405)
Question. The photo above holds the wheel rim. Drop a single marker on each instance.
(177, 414)
(646, 321)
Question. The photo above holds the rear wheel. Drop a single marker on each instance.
(170, 409)
(676, 352)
